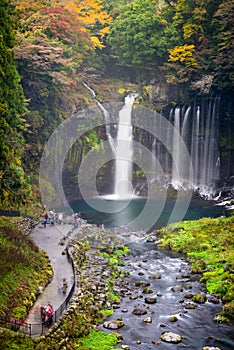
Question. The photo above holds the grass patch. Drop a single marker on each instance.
(98, 341)
(22, 268)
(113, 254)
(14, 341)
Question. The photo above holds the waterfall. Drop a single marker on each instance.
(195, 127)
(176, 179)
(106, 116)
(199, 132)
(195, 156)
(124, 152)
(121, 147)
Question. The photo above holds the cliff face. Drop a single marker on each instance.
(208, 132)
(165, 98)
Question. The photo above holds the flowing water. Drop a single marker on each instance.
(195, 325)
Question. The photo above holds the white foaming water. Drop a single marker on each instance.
(124, 152)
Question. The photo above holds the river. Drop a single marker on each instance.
(145, 265)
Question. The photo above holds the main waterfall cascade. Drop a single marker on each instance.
(124, 152)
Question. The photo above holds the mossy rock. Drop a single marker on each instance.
(199, 298)
(228, 310)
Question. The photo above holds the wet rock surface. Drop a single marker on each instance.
(171, 337)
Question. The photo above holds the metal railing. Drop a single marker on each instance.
(37, 329)
(9, 212)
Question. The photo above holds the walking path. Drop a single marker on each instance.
(48, 239)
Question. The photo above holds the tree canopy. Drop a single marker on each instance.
(59, 44)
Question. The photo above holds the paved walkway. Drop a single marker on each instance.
(48, 239)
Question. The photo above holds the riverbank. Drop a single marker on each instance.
(146, 294)
(208, 243)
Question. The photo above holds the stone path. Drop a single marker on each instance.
(48, 239)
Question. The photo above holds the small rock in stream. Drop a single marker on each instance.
(147, 290)
(142, 284)
(139, 311)
(173, 319)
(156, 276)
(210, 348)
(148, 319)
(151, 239)
(214, 300)
(150, 300)
(199, 298)
(190, 306)
(124, 310)
(188, 295)
(171, 337)
(177, 288)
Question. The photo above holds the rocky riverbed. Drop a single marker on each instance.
(151, 298)
(162, 302)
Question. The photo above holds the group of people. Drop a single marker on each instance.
(47, 314)
(49, 218)
(59, 218)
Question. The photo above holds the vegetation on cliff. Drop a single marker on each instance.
(14, 188)
(22, 268)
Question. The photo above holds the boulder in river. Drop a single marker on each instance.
(171, 337)
(113, 324)
(210, 348)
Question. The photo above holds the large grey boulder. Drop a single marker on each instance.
(171, 337)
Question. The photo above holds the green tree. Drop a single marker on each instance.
(13, 186)
(223, 53)
(136, 33)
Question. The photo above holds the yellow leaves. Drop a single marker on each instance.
(104, 31)
(96, 42)
(91, 15)
(183, 54)
(188, 30)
